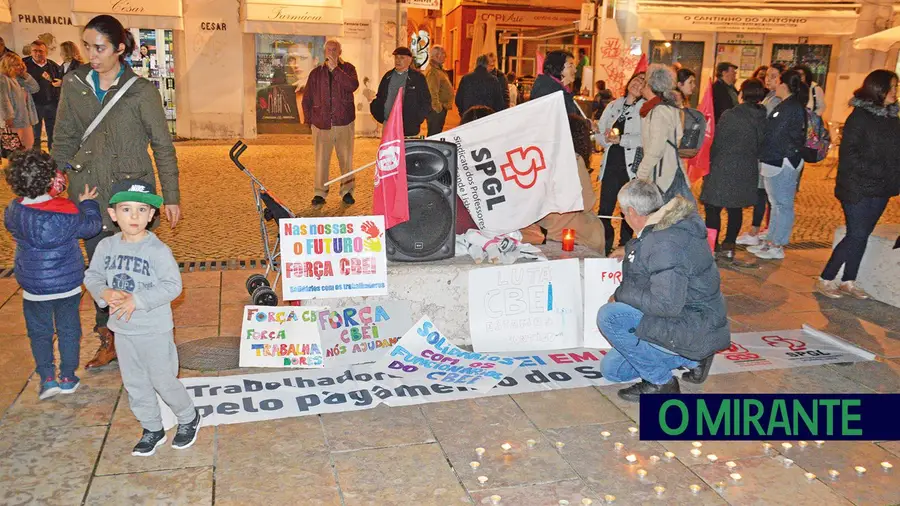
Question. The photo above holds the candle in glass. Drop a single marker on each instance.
(568, 239)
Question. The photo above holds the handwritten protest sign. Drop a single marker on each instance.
(526, 307)
(424, 354)
(601, 278)
(353, 335)
(333, 257)
(279, 337)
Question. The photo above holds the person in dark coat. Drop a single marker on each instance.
(734, 172)
(867, 177)
(48, 75)
(559, 74)
(479, 88)
(499, 75)
(416, 97)
(669, 311)
(725, 95)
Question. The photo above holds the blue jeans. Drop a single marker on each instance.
(782, 189)
(47, 116)
(861, 218)
(39, 321)
(632, 358)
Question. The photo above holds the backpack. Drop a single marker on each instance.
(818, 139)
(694, 124)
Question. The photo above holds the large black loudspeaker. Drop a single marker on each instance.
(430, 232)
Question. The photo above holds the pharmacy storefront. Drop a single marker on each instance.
(699, 36)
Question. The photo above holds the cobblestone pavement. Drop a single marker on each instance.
(220, 220)
(75, 449)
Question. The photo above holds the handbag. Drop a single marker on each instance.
(10, 141)
(79, 160)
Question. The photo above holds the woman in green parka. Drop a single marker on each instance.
(117, 147)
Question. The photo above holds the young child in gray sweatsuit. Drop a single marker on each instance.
(136, 275)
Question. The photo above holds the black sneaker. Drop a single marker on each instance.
(186, 434)
(348, 199)
(318, 201)
(634, 392)
(149, 442)
(698, 374)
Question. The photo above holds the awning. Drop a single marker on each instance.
(293, 17)
(160, 14)
(793, 19)
(880, 41)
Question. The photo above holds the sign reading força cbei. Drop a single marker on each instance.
(333, 257)
(280, 337)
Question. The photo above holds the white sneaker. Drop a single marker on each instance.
(773, 253)
(759, 248)
(763, 235)
(748, 240)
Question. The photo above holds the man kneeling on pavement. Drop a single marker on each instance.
(669, 311)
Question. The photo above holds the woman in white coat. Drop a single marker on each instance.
(620, 135)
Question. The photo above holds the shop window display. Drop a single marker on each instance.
(154, 59)
(283, 64)
(816, 56)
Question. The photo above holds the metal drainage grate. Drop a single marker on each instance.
(218, 353)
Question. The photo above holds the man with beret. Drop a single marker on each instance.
(416, 97)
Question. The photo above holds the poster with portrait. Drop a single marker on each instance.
(283, 65)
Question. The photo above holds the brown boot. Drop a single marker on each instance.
(107, 351)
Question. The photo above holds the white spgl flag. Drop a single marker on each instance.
(517, 166)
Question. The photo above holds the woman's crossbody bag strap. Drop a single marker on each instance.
(103, 112)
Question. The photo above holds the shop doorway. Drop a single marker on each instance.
(747, 57)
(816, 56)
(688, 54)
(154, 59)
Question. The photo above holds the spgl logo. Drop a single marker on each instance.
(778, 341)
(522, 167)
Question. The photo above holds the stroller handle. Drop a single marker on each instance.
(235, 153)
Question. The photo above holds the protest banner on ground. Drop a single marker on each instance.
(283, 394)
(353, 335)
(333, 257)
(279, 337)
(601, 278)
(519, 307)
(425, 355)
(518, 165)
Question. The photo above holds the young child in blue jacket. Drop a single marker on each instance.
(49, 265)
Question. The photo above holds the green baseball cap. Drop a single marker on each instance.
(134, 190)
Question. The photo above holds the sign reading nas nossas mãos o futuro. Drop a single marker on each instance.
(333, 257)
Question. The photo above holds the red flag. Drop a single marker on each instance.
(641, 66)
(539, 62)
(698, 166)
(390, 195)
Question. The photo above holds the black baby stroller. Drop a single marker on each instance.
(269, 208)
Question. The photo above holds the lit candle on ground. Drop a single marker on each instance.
(631, 459)
(696, 453)
(736, 477)
(587, 502)
(787, 446)
(697, 444)
(563, 502)
(730, 465)
(887, 466)
(669, 456)
(530, 443)
(642, 473)
(633, 430)
(618, 446)
(819, 443)
(833, 474)
(506, 447)
(568, 239)
(712, 457)
(860, 470)
(720, 485)
(695, 489)
(475, 464)
(495, 499)
(788, 462)
(482, 479)
(654, 459)
(767, 447)
(802, 444)
(660, 490)
(479, 451)
(560, 444)
(609, 498)
(605, 434)
(810, 476)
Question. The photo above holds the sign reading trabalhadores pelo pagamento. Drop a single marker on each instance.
(279, 337)
(424, 354)
(333, 257)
